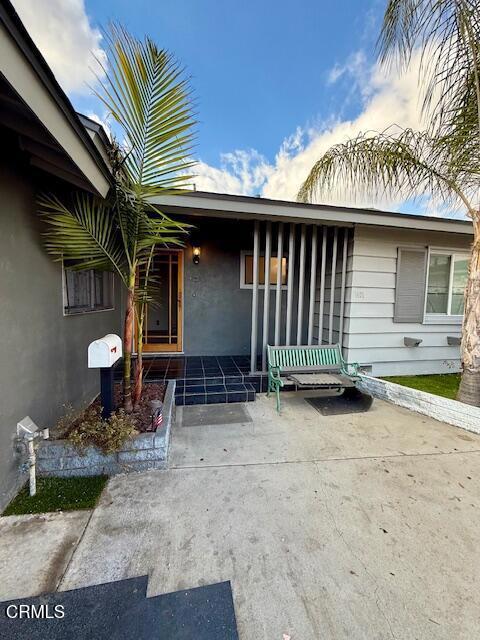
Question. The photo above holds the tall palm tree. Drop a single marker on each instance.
(444, 160)
(147, 94)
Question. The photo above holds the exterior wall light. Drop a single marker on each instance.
(196, 255)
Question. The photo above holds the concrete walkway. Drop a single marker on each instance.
(358, 526)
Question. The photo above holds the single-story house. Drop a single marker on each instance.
(387, 287)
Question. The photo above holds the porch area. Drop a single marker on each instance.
(236, 287)
(207, 379)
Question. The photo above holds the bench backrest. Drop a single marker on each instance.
(327, 357)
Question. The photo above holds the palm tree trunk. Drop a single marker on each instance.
(138, 385)
(127, 345)
(469, 391)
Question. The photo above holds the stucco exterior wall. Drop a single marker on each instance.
(371, 335)
(217, 311)
(43, 361)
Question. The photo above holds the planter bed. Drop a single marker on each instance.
(446, 410)
(142, 452)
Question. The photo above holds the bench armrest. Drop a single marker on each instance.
(350, 369)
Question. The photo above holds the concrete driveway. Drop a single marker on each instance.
(357, 526)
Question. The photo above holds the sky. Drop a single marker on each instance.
(276, 82)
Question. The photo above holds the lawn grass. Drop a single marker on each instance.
(58, 494)
(442, 384)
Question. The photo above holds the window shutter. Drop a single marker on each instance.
(410, 285)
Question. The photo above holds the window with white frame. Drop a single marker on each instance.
(446, 281)
(246, 270)
(86, 291)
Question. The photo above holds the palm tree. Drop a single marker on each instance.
(444, 160)
(147, 94)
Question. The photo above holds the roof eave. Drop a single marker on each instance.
(203, 203)
(27, 72)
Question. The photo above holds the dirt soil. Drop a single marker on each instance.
(141, 416)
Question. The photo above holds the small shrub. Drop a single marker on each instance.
(107, 435)
(64, 423)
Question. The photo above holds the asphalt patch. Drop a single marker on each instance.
(122, 611)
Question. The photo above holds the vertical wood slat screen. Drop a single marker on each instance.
(295, 321)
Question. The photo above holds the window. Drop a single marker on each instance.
(246, 271)
(447, 278)
(86, 291)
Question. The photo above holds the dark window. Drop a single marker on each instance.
(86, 291)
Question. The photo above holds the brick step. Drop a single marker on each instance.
(213, 393)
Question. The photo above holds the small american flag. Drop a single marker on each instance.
(157, 419)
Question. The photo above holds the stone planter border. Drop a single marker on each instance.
(452, 412)
(143, 452)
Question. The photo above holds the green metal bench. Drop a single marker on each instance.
(319, 366)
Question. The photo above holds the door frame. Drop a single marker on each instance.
(178, 347)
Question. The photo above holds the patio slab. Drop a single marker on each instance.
(369, 534)
(339, 527)
(301, 434)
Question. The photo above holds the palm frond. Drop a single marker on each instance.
(448, 34)
(83, 232)
(391, 163)
(147, 93)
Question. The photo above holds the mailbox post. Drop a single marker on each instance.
(102, 354)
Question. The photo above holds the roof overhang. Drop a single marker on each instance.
(29, 76)
(246, 207)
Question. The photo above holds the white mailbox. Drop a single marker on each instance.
(104, 352)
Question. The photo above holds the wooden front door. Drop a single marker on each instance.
(164, 319)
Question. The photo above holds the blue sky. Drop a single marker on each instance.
(277, 83)
(259, 69)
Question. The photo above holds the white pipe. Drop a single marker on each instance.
(32, 462)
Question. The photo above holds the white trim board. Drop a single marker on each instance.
(452, 412)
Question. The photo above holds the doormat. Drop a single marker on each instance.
(122, 611)
(350, 401)
(208, 414)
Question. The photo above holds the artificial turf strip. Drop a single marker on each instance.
(58, 494)
(445, 385)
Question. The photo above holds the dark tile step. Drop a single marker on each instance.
(211, 382)
(223, 394)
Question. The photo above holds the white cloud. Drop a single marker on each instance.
(385, 99)
(62, 31)
(243, 172)
(354, 66)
